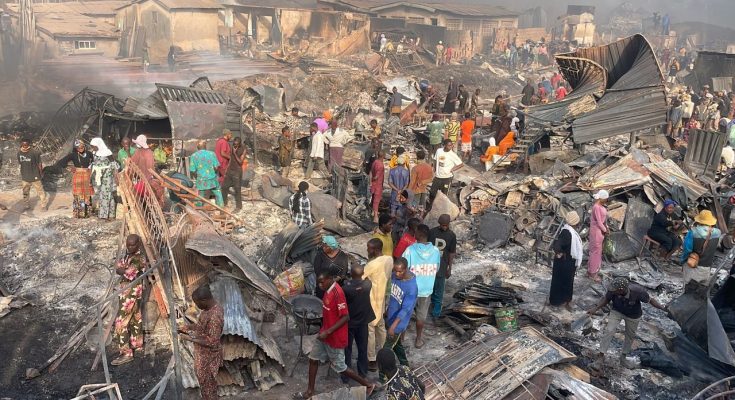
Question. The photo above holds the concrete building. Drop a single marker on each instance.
(159, 24)
(577, 25)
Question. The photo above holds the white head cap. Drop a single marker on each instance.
(141, 141)
(602, 195)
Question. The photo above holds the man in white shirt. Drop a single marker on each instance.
(446, 161)
(336, 137)
(316, 156)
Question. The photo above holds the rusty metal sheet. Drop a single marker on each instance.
(205, 240)
(667, 173)
(626, 172)
(491, 367)
(579, 390)
(704, 150)
(709, 65)
(196, 120)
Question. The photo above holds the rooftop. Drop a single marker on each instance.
(73, 19)
(469, 10)
(182, 4)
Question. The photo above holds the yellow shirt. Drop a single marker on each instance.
(378, 271)
(387, 240)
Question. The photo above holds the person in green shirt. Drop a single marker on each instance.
(159, 155)
(436, 133)
(125, 152)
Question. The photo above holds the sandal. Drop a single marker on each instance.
(300, 396)
(122, 360)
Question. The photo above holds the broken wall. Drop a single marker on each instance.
(195, 30)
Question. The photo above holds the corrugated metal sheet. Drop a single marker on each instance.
(709, 65)
(626, 172)
(271, 349)
(579, 390)
(235, 347)
(237, 322)
(667, 173)
(205, 240)
(704, 150)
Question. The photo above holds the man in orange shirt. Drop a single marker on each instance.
(420, 177)
(467, 127)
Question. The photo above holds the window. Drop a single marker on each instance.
(454, 24)
(416, 20)
(488, 27)
(85, 44)
(507, 24)
(435, 21)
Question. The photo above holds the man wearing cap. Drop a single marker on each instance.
(703, 240)
(626, 299)
(446, 241)
(222, 150)
(663, 229)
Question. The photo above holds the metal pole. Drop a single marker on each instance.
(101, 344)
(255, 148)
(167, 283)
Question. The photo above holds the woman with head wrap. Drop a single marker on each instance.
(104, 179)
(703, 240)
(567, 257)
(598, 231)
(81, 186)
(330, 258)
(664, 227)
(398, 179)
(626, 299)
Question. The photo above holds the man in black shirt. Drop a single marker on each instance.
(446, 241)
(31, 168)
(357, 293)
(626, 301)
(233, 174)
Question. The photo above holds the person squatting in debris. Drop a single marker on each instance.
(401, 383)
(300, 206)
(236, 166)
(402, 301)
(31, 173)
(357, 293)
(383, 232)
(378, 271)
(222, 150)
(377, 178)
(104, 179)
(447, 162)
(206, 334)
(423, 261)
(664, 229)
(445, 240)
(81, 184)
(598, 232)
(626, 299)
(128, 325)
(203, 165)
(420, 178)
(700, 246)
(125, 151)
(316, 155)
(285, 151)
(568, 254)
(330, 258)
(331, 341)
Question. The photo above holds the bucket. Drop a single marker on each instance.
(506, 319)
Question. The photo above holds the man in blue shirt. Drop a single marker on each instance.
(400, 307)
(423, 261)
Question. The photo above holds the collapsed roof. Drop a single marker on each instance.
(624, 80)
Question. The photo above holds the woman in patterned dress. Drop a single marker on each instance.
(128, 325)
(81, 186)
(104, 179)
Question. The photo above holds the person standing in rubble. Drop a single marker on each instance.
(598, 232)
(222, 150)
(337, 138)
(294, 122)
(568, 254)
(142, 157)
(330, 258)
(527, 92)
(475, 102)
(398, 179)
(452, 128)
(357, 292)
(439, 56)
(171, 58)
(377, 178)
(395, 102)
(203, 165)
(423, 261)
(128, 325)
(125, 151)
(436, 133)
(464, 98)
(81, 184)
(237, 164)
(420, 178)
(445, 240)
(377, 271)
(450, 102)
(626, 299)
(383, 232)
(104, 179)
(316, 155)
(285, 150)
(447, 162)
(702, 240)
(300, 206)
(467, 127)
(206, 335)
(403, 294)
(31, 173)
